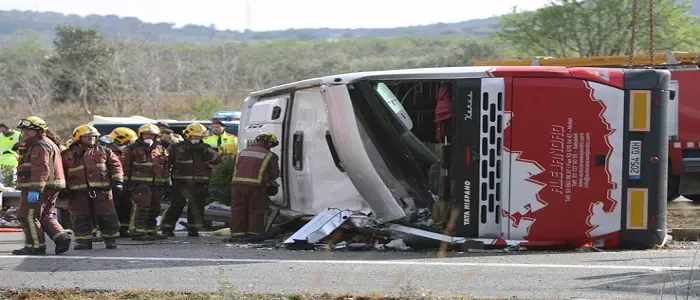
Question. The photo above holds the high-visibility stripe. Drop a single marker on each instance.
(147, 179)
(238, 233)
(41, 185)
(32, 228)
(261, 171)
(191, 177)
(113, 235)
(83, 237)
(132, 220)
(90, 184)
(184, 161)
(144, 164)
(75, 169)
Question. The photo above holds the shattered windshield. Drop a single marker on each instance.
(388, 96)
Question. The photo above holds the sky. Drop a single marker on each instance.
(283, 14)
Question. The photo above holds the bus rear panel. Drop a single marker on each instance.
(562, 158)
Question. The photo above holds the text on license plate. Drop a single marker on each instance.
(635, 159)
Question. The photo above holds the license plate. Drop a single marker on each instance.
(635, 160)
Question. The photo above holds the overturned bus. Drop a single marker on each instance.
(546, 156)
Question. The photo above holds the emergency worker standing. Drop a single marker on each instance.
(119, 139)
(220, 135)
(190, 162)
(254, 177)
(148, 178)
(167, 136)
(8, 138)
(40, 178)
(92, 172)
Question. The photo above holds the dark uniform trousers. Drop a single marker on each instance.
(93, 207)
(123, 206)
(38, 218)
(248, 206)
(146, 202)
(180, 194)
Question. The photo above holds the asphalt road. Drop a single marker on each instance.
(204, 264)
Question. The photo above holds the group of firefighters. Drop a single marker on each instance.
(115, 183)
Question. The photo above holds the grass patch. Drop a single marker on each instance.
(143, 295)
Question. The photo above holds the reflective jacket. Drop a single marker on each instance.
(40, 167)
(145, 164)
(256, 165)
(218, 140)
(7, 142)
(95, 167)
(191, 162)
(9, 159)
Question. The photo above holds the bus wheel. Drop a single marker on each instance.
(673, 185)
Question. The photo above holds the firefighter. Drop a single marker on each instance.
(119, 139)
(40, 178)
(167, 136)
(190, 162)
(92, 172)
(148, 178)
(8, 138)
(220, 135)
(254, 178)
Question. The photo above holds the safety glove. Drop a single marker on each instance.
(33, 197)
(117, 188)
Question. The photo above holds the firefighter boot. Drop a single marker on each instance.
(142, 237)
(83, 245)
(192, 232)
(168, 233)
(111, 243)
(124, 232)
(62, 242)
(157, 236)
(30, 251)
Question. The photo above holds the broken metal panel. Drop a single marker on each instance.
(417, 237)
(349, 143)
(320, 226)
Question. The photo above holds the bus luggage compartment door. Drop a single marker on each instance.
(563, 160)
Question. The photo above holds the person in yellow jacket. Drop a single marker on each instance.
(220, 135)
(9, 158)
(8, 138)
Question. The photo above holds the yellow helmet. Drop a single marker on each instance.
(195, 129)
(123, 135)
(268, 138)
(32, 122)
(148, 128)
(84, 130)
(229, 148)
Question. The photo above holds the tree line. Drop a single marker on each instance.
(85, 74)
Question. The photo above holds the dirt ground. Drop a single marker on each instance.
(683, 215)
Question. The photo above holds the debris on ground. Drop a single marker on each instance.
(8, 217)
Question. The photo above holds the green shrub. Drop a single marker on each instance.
(220, 182)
